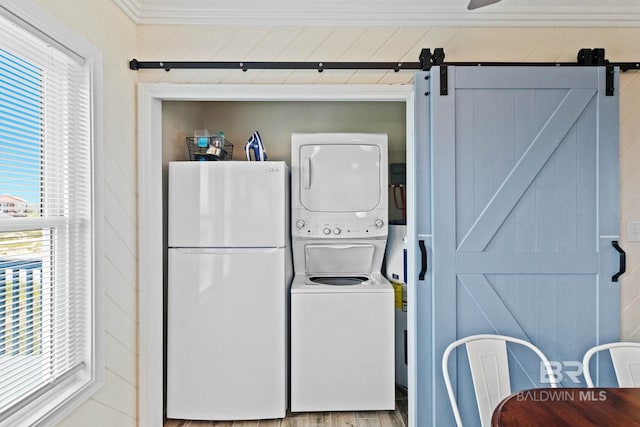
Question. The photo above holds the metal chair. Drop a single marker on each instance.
(626, 362)
(489, 371)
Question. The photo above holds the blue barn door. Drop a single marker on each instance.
(523, 207)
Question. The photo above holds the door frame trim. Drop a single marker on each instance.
(150, 218)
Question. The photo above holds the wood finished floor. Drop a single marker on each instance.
(397, 418)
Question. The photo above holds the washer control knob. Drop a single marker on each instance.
(337, 231)
(326, 231)
(379, 223)
(300, 224)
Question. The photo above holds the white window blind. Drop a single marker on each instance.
(45, 218)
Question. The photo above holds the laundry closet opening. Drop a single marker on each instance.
(276, 121)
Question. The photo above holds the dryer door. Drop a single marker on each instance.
(340, 178)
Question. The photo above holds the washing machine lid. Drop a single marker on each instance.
(340, 177)
(339, 280)
(339, 260)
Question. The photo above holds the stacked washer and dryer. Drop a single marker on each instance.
(342, 308)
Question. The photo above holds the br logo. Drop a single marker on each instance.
(560, 370)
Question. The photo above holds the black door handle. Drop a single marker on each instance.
(623, 260)
(423, 257)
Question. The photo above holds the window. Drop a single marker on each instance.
(48, 340)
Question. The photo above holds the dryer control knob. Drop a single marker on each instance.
(379, 223)
(327, 231)
(337, 231)
(300, 224)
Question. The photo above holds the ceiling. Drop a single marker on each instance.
(552, 13)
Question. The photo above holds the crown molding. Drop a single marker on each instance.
(372, 13)
(132, 8)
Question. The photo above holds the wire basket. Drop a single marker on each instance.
(209, 148)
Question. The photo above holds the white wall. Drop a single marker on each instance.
(108, 28)
(209, 43)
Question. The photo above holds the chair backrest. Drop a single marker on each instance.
(489, 370)
(626, 362)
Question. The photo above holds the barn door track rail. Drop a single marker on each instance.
(136, 65)
(427, 59)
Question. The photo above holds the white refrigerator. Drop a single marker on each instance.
(228, 284)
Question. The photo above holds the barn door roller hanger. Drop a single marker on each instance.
(585, 57)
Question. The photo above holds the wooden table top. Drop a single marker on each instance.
(570, 407)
